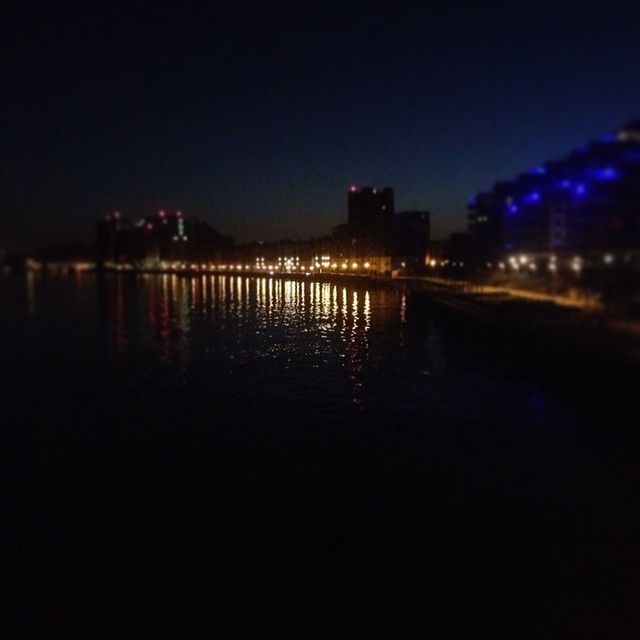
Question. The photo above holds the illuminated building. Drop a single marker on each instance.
(589, 202)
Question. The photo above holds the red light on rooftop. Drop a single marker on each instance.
(352, 189)
(179, 214)
(161, 213)
(150, 227)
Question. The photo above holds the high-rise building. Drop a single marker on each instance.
(108, 230)
(369, 207)
(411, 233)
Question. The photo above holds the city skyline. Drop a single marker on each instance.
(258, 120)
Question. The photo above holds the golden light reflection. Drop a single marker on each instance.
(301, 324)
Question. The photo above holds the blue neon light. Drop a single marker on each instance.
(632, 155)
(607, 173)
(539, 170)
(580, 190)
(565, 184)
(534, 196)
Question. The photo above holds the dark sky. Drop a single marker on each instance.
(258, 117)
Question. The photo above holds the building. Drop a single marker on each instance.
(108, 231)
(410, 238)
(369, 207)
(587, 202)
(163, 236)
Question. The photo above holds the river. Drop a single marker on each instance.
(218, 452)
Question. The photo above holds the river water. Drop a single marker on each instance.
(189, 455)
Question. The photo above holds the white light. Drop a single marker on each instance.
(608, 259)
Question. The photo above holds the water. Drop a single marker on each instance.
(220, 452)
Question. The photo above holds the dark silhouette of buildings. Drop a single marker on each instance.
(369, 207)
(410, 238)
(375, 239)
(163, 236)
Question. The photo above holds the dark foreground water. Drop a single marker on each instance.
(192, 457)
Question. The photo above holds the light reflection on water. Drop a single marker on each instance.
(272, 351)
(296, 327)
(282, 343)
(239, 368)
(340, 408)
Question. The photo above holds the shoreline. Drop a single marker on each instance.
(542, 323)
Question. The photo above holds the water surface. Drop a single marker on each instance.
(224, 451)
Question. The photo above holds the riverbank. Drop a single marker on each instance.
(571, 324)
(549, 326)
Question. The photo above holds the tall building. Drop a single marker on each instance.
(108, 230)
(410, 237)
(369, 207)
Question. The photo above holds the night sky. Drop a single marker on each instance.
(258, 117)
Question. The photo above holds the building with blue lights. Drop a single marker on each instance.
(587, 203)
